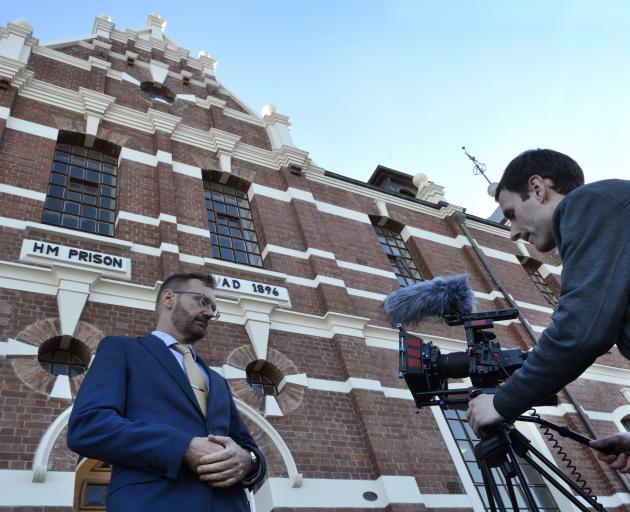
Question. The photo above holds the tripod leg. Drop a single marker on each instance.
(522, 480)
(510, 488)
(546, 473)
(492, 489)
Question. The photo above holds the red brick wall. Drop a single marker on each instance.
(356, 435)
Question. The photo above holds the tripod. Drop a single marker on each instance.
(501, 451)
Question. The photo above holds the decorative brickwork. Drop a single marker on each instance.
(342, 419)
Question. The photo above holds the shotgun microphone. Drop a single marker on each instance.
(438, 297)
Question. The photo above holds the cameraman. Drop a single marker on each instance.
(542, 194)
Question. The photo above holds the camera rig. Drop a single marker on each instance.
(426, 371)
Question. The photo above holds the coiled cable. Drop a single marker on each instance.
(564, 457)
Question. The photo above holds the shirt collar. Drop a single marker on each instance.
(169, 341)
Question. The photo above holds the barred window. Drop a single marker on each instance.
(541, 284)
(82, 190)
(264, 378)
(626, 423)
(62, 357)
(402, 263)
(466, 440)
(232, 233)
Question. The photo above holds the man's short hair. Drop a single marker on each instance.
(178, 280)
(565, 173)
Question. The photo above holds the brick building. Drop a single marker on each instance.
(122, 159)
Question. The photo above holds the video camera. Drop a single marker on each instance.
(426, 371)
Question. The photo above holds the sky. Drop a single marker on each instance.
(407, 83)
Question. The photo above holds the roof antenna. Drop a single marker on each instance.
(479, 167)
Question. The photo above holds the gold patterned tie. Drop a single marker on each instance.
(198, 383)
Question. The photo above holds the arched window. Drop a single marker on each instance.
(399, 256)
(82, 186)
(264, 378)
(90, 486)
(63, 356)
(232, 233)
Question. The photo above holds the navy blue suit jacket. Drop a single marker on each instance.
(136, 410)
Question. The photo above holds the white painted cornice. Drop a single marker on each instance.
(488, 228)
(103, 26)
(222, 141)
(242, 116)
(162, 121)
(16, 41)
(95, 102)
(208, 64)
(16, 72)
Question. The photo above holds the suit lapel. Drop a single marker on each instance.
(161, 352)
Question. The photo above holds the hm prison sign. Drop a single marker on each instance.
(33, 250)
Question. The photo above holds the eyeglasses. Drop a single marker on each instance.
(204, 302)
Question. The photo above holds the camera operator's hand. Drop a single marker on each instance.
(617, 447)
(481, 414)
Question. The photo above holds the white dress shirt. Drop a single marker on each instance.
(168, 341)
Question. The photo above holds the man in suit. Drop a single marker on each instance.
(166, 422)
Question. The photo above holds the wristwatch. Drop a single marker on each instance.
(254, 459)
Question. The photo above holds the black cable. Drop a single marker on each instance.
(564, 457)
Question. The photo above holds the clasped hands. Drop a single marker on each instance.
(217, 460)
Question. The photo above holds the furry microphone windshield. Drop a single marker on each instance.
(438, 297)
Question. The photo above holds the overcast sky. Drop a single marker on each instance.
(406, 84)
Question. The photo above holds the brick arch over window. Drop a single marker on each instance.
(232, 232)
(390, 238)
(29, 369)
(291, 395)
(82, 186)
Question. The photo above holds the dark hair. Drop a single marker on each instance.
(565, 173)
(178, 280)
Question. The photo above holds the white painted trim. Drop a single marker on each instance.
(341, 493)
(457, 242)
(143, 219)
(458, 462)
(500, 255)
(45, 447)
(37, 129)
(604, 373)
(534, 307)
(138, 156)
(295, 477)
(41, 280)
(187, 170)
(366, 269)
(346, 213)
(65, 42)
(13, 347)
(304, 255)
(61, 388)
(164, 157)
(5, 113)
(18, 490)
(366, 294)
(192, 230)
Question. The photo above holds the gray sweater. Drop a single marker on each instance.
(591, 227)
